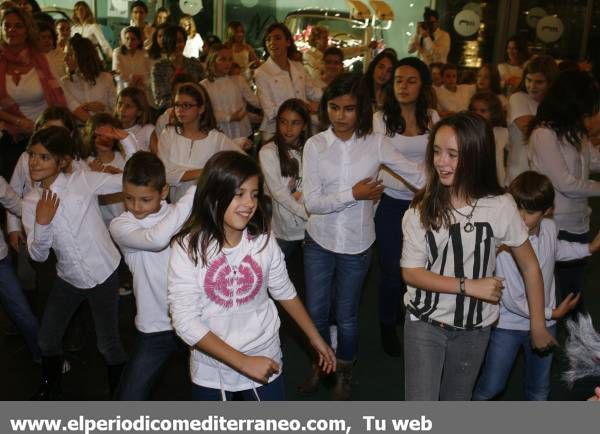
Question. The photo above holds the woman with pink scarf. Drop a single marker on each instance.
(27, 85)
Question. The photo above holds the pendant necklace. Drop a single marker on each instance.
(468, 227)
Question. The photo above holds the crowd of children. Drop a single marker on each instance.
(473, 193)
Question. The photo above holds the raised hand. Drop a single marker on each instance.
(111, 132)
(46, 207)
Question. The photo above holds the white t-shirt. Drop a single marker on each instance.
(193, 46)
(519, 104)
(412, 147)
(454, 252)
(448, 101)
(28, 94)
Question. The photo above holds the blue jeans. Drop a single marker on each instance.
(289, 247)
(152, 351)
(324, 270)
(499, 360)
(272, 391)
(17, 307)
(388, 228)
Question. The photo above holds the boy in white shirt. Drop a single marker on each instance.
(143, 233)
(534, 195)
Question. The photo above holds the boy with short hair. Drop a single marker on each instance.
(143, 232)
(534, 195)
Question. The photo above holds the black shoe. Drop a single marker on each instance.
(49, 389)
(389, 340)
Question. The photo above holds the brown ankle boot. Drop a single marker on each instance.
(311, 384)
(343, 380)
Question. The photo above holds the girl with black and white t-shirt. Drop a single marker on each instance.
(406, 122)
(448, 259)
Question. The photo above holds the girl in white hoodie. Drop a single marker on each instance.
(224, 265)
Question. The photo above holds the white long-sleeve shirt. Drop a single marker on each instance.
(85, 253)
(519, 104)
(331, 167)
(289, 215)
(78, 91)
(228, 95)
(127, 66)
(274, 86)
(180, 154)
(145, 247)
(230, 298)
(569, 172)
(514, 309)
(10, 201)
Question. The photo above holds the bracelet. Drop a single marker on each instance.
(461, 286)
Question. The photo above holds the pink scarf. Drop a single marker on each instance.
(53, 93)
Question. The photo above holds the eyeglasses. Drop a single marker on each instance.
(184, 106)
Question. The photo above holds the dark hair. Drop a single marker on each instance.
(494, 77)
(170, 38)
(333, 51)
(449, 67)
(138, 3)
(428, 13)
(86, 57)
(145, 169)
(137, 33)
(158, 11)
(154, 52)
(57, 140)
(89, 133)
(392, 114)
(180, 79)
(63, 114)
(522, 50)
(289, 165)
(573, 96)
(543, 64)
(286, 33)
(532, 191)
(497, 116)
(389, 54)
(222, 176)
(139, 98)
(207, 121)
(475, 176)
(349, 83)
(44, 26)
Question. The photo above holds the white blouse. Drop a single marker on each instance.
(228, 95)
(78, 91)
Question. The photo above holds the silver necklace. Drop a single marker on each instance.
(468, 227)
